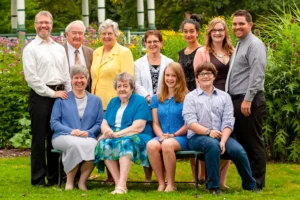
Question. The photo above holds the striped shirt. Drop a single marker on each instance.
(249, 67)
(213, 111)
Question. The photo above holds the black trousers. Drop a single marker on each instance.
(40, 109)
(248, 132)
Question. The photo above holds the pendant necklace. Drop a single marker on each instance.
(220, 55)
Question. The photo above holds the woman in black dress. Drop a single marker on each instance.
(191, 29)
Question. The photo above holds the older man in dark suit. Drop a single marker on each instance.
(76, 52)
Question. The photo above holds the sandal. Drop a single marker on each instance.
(161, 188)
(119, 190)
(170, 188)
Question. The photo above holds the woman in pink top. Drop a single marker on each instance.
(217, 50)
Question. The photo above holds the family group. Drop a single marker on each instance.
(101, 108)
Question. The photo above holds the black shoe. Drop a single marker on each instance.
(40, 183)
(202, 181)
(215, 191)
(51, 183)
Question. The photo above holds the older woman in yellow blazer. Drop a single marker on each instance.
(108, 61)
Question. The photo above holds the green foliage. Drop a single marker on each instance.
(23, 138)
(280, 31)
(13, 90)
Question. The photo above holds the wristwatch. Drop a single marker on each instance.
(207, 132)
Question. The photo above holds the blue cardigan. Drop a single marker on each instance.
(65, 116)
(137, 108)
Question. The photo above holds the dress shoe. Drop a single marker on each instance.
(215, 191)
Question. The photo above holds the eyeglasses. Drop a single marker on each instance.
(77, 32)
(217, 30)
(153, 42)
(109, 34)
(43, 22)
(202, 74)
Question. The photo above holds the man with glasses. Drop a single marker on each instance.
(245, 84)
(76, 52)
(208, 113)
(46, 71)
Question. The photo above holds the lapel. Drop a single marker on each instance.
(74, 105)
(114, 51)
(66, 49)
(146, 70)
(87, 57)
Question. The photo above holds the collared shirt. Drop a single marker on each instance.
(213, 111)
(71, 54)
(45, 64)
(249, 67)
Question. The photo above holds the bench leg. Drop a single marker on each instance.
(59, 170)
(196, 171)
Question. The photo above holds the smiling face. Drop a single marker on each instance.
(75, 36)
(241, 27)
(205, 79)
(190, 33)
(43, 26)
(124, 89)
(108, 37)
(217, 34)
(170, 77)
(153, 44)
(79, 82)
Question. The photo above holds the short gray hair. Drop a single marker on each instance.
(79, 69)
(110, 23)
(44, 13)
(124, 76)
(77, 22)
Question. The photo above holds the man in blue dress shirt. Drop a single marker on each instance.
(208, 113)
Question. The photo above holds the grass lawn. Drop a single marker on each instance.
(283, 182)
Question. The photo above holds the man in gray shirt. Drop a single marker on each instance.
(245, 84)
(208, 113)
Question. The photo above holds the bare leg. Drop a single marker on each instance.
(86, 169)
(202, 171)
(113, 167)
(148, 174)
(224, 167)
(109, 176)
(125, 165)
(154, 156)
(169, 147)
(70, 179)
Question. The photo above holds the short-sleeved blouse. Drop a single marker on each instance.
(186, 62)
(169, 114)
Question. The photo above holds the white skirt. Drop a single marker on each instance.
(75, 150)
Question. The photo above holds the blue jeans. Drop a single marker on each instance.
(234, 151)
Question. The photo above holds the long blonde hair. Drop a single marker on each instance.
(180, 87)
(227, 45)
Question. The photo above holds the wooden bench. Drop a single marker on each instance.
(179, 155)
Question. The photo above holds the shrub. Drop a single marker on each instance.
(13, 90)
(280, 32)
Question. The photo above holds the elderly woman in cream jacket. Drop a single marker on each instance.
(150, 68)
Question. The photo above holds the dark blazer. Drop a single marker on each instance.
(88, 56)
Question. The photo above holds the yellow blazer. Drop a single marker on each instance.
(120, 59)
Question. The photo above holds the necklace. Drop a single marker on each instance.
(220, 55)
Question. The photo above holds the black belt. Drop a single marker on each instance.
(56, 87)
(237, 96)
